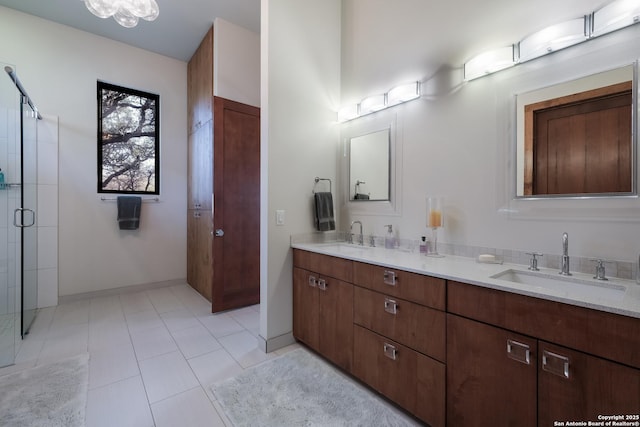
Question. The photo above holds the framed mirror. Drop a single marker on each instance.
(372, 154)
(369, 166)
(578, 138)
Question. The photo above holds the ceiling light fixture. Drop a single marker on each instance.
(125, 12)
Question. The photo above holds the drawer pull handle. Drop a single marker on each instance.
(312, 281)
(390, 278)
(322, 284)
(555, 364)
(519, 352)
(390, 306)
(390, 351)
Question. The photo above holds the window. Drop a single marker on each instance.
(128, 140)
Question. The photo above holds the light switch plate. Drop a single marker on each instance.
(279, 217)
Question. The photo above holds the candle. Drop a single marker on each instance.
(435, 218)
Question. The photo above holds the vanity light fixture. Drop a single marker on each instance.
(373, 103)
(489, 62)
(396, 95)
(347, 113)
(616, 15)
(554, 38)
(403, 93)
(125, 12)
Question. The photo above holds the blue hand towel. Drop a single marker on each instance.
(324, 212)
(129, 212)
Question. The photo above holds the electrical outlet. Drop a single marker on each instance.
(279, 217)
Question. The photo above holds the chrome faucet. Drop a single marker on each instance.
(565, 255)
(533, 262)
(600, 272)
(360, 238)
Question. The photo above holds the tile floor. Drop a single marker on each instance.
(153, 354)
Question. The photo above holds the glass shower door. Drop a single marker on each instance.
(9, 289)
(25, 216)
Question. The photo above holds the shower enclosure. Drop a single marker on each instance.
(18, 199)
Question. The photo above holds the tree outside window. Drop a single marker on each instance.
(128, 140)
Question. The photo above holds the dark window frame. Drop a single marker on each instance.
(152, 102)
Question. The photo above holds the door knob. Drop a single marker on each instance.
(219, 232)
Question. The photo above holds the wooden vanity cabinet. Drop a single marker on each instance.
(576, 386)
(491, 375)
(570, 375)
(400, 338)
(323, 306)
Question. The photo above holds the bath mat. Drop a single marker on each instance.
(48, 395)
(300, 389)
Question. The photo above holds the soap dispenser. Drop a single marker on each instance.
(389, 238)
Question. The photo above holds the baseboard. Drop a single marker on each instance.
(121, 290)
(275, 343)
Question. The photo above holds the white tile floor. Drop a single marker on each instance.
(153, 354)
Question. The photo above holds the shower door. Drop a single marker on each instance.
(9, 286)
(18, 198)
(25, 215)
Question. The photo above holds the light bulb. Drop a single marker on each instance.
(145, 9)
(102, 8)
(125, 18)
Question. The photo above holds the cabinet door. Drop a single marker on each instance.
(305, 307)
(578, 387)
(200, 168)
(199, 262)
(491, 375)
(430, 394)
(200, 84)
(335, 333)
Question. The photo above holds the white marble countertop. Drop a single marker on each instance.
(589, 293)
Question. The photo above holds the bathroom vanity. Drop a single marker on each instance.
(454, 346)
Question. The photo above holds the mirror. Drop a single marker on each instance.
(369, 166)
(578, 139)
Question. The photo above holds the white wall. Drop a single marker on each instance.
(236, 63)
(300, 47)
(59, 66)
(456, 143)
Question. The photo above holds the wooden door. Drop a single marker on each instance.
(200, 168)
(200, 84)
(199, 268)
(236, 183)
(584, 147)
(486, 385)
(576, 386)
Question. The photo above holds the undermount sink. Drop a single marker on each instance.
(568, 285)
(346, 248)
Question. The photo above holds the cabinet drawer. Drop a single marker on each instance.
(418, 327)
(607, 335)
(425, 290)
(324, 265)
(413, 381)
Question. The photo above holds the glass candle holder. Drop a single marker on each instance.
(435, 220)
